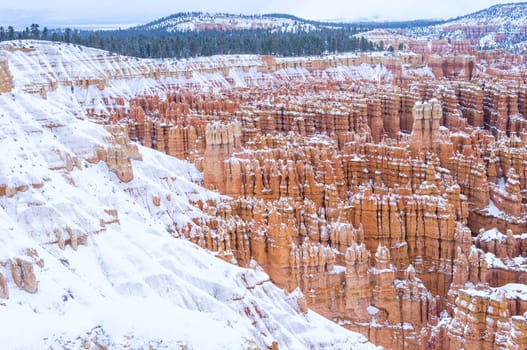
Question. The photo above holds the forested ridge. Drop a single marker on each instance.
(161, 44)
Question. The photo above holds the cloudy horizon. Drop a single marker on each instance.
(61, 12)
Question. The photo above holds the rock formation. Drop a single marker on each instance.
(390, 189)
(366, 204)
(4, 289)
(6, 80)
(24, 275)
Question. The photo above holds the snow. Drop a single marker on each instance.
(155, 317)
(491, 235)
(493, 210)
(132, 284)
(510, 291)
(501, 184)
(372, 310)
(338, 269)
(488, 41)
(494, 262)
(365, 71)
(420, 71)
(470, 290)
(515, 291)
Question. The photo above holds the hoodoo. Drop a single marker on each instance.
(385, 191)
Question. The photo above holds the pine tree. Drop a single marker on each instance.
(75, 37)
(67, 35)
(10, 33)
(35, 31)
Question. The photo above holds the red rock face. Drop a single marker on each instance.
(6, 80)
(374, 196)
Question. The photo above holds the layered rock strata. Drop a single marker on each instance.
(365, 196)
(370, 182)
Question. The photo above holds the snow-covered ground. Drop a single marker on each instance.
(131, 284)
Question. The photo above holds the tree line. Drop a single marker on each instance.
(160, 44)
(34, 32)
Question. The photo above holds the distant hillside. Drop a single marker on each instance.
(199, 21)
(503, 15)
(417, 23)
(197, 34)
(192, 34)
(499, 26)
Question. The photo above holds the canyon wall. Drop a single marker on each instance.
(389, 189)
(366, 196)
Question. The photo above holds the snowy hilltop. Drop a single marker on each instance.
(499, 26)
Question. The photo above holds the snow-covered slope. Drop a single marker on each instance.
(502, 25)
(501, 16)
(98, 76)
(102, 256)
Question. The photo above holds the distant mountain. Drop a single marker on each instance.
(199, 21)
(191, 34)
(499, 26)
(501, 16)
(503, 26)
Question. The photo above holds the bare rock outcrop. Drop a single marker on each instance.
(23, 275)
(6, 79)
(4, 289)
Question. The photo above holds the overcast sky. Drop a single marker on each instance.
(47, 12)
